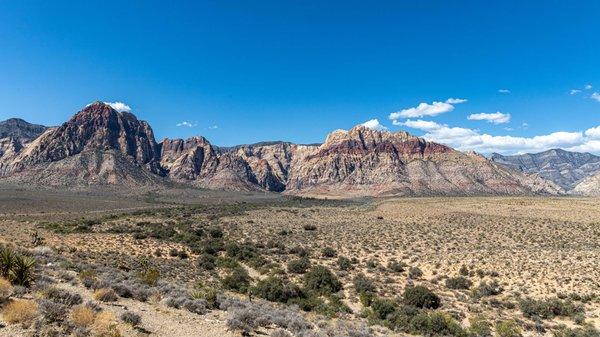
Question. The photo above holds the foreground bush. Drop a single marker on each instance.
(238, 280)
(20, 311)
(82, 316)
(549, 308)
(275, 289)
(322, 281)
(508, 329)
(298, 266)
(6, 289)
(421, 297)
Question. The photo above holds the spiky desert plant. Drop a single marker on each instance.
(22, 270)
(7, 260)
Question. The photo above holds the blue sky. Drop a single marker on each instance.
(241, 71)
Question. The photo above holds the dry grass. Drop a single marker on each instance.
(105, 295)
(105, 325)
(82, 316)
(20, 311)
(6, 289)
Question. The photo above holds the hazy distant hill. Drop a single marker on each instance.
(566, 169)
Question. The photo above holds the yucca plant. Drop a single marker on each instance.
(7, 261)
(22, 270)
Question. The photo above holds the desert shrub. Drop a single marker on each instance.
(344, 263)
(480, 327)
(215, 232)
(548, 308)
(208, 294)
(300, 251)
(332, 307)
(436, 324)
(6, 289)
(322, 281)
(105, 325)
(63, 296)
(206, 262)
(88, 277)
(363, 284)
(149, 275)
(464, 270)
(298, 266)
(238, 280)
(459, 282)
(20, 311)
(227, 262)
(275, 289)
(401, 318)
(485, 289)
(415, 273)
(82, 316)
(52, 311)
(329, 252)
(586, 331)
(396, 267)
(382, 307)
(105, 295)
(421, 297)
(131, 318)
(18, 269)
(309, 227)
(508, 328)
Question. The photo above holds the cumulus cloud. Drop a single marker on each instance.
(574, 91)
(374, 124)
(186, 124)
(213, 127)
(504, 91)
(596, 96)
(588, 87)
(468, 139)
(593, 133)
(496, 117)
(119, 106)
(426, 109)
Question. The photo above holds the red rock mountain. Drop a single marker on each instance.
(100, 145)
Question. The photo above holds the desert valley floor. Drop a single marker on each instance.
(199, 263)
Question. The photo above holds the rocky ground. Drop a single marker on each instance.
(505, 266)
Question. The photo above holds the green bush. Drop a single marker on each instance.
(480, 327)
(383, 307)
(397, 267)
(363, 284)
(421, 297)
(238, 280)
(298, 266)
(459, 282)
(17, 268)
(344, 263)
(322, 281)
(436, 324)
(508, 329)
(549, 308)
(587, 331)
(329, 252)
(275, 289)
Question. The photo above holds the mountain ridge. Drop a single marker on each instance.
(100, 145)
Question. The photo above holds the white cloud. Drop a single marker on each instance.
(596, 96)
(496, 117)
(504, 91)
(425, 109)
(588, 87)
(455, 100)
(187, 124)
(574, 91)
(468, 139)
(593, 133)
(119, 106)
(374, 124)
(213, 127)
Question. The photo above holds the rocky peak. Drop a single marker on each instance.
(19, 129)
(98, 127)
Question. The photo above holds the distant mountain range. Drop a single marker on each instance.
(566, 169)
(101, 146)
